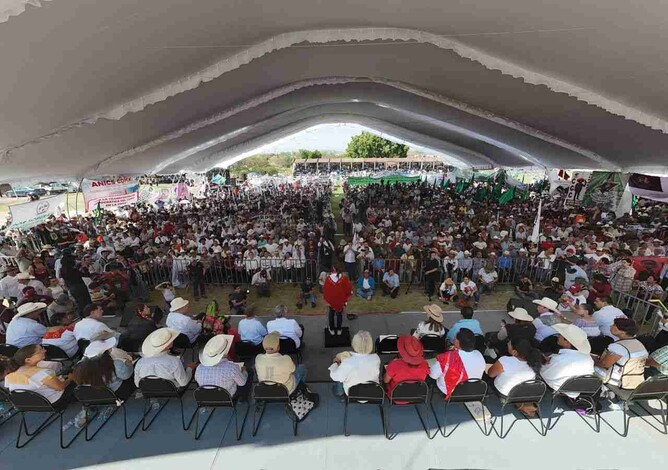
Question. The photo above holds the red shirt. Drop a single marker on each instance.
(399, 371)
(603, 289)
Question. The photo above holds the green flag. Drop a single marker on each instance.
(507, 196)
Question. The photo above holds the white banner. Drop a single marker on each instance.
(106, 191)
(151, 195)
(577, 189)
(30, 214)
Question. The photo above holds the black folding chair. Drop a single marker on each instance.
(8, 350)
(433, 344)
(182, 342)
(11, 411)
(410, 392)
(387, 345)
(161, 389)
(480, 344)
(266, 393)
(26, 401)
(654, 388)
(247, 350)
(471, 391)
(83, 344)
(368, 393)
(56, 354)
(587, 387)
(95, 397)
(288, 346)
(211, 396)
(531, 391)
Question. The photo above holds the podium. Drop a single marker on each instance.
(337, 341)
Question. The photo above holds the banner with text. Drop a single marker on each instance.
(107, 192)
(604, 190)
(576, 189)
(31, 214)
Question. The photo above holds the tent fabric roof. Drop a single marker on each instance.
(94, 88)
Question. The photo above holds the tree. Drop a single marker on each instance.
(367, 145)
(306, 154)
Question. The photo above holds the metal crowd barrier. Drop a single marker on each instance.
(8, 261)
(646, 314)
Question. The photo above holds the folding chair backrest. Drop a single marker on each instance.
(83, 344)
(95, 396)
(369, 392)
(155, 387)
(480, 343)
(387, 345)
(247, 349)
(54, 353)
(529, 391)
(654, 388)
(212, 395)
(8, 350)
(433, 343)
(271, 392)
(287, 346)
(411, 391)
(4, 395)
(26, 400)
(182, 342)
(471, 390)
(584, 385)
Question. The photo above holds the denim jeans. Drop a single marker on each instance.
(337, 389)
(300, 374)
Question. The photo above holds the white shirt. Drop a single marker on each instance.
(10, 287)
(23, 331)
(164, 366)
(474, 364)
(514, 373)
(89, 329)
(67, 342)
(568, 363)
(356, 369)
(471, 285)
(605, 317)
(287, 328)
(487, 277)
(423, 329)
(184, 324)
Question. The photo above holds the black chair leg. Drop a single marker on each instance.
(382, 418)
(198, 431)
(13, 412)
(147, 411)
(388, 421)
(88, 420)
(258, 407)
(65, 445)
(125, 423)
(183, 417)
(23, 428)
(345, 419)
(626, 417)
(663, 420)
(240, 431)
(293, 417)
(425, 421)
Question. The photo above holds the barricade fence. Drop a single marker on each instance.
(646, 314)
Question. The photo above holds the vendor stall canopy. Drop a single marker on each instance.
(100, 87)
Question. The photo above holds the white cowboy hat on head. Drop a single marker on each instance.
(29, 307)
(178, 303)
(434, 312)
(24, 277)
(547, 303)
(520, 314)
(158, 341)
(574, 335)
(215, 350)
(96, 348)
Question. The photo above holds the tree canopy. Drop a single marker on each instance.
(367, 145)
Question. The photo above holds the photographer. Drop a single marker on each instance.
(237, 301)
(261, 279)
(307, 293)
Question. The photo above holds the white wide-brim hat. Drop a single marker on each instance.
(158, 341)
(574, 335)
(215, 350)
(520, 314)
(95, 348)
(29, 307)
(548, 303)
(178, 303)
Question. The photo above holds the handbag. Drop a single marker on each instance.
(302, 402)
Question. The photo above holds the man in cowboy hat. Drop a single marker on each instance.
(522, 328)
(216, 369)
(572, 360)
(156, 360)
(546, 318)
(275, 367)
(25, 328)
(180, 319)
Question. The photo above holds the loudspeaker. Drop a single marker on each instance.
(337, 341)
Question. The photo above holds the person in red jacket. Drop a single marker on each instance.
(336, 292)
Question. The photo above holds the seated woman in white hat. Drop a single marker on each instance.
(105, 365)
(216, 369)
(433, 325)
(157, 361)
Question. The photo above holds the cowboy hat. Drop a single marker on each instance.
(434, 312)
(410, 349)
(96, 348)
(29, 307)
(178, 303)
(574, 335)
(158, 341)
(520, 314)
(547, 303)
(215, 350)
(24, 277)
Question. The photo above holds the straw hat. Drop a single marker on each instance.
(271, 341)
(410, 349)
(548, 303)
(574, 335)
(29, 307)
(97, 297)
(215, 350)
(434, 312)
(520, 314)
(178, 303)
(96, 348)
(158, 341)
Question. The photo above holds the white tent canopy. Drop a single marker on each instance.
(92, 87)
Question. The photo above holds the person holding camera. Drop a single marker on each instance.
(261, 280)
(307, 293)
(237, 301)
